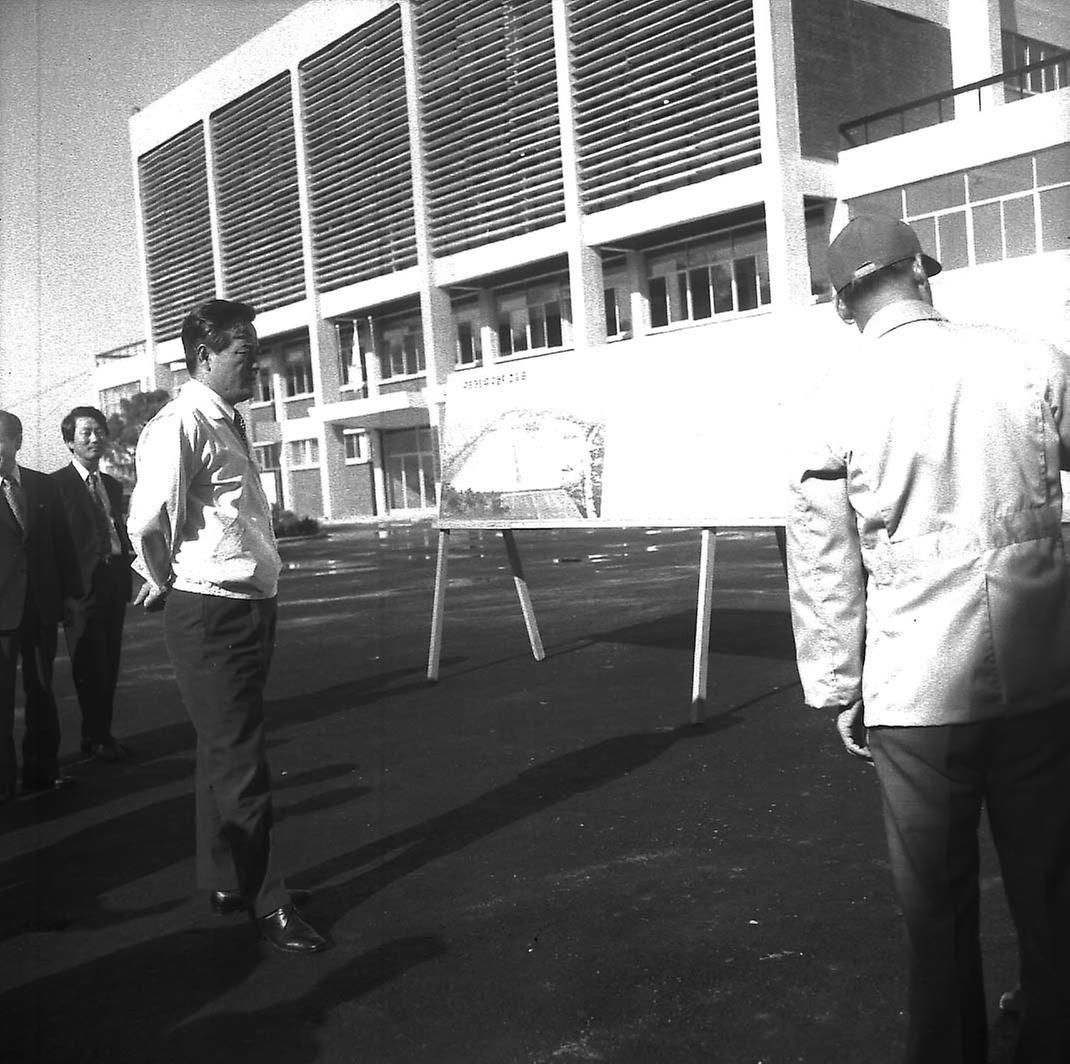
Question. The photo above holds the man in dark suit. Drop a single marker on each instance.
(39, 581)
(93, 503)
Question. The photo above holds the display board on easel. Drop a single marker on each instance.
(685, 428)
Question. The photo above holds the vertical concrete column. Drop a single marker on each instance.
(435, 312)
(488, 327)
(372, 374)
(322, 335)
(333, 470)
(585, 278)
(976, 51)
(213, 209)
(778, 110)
(639, 293)
(375, 454)
(439, 341)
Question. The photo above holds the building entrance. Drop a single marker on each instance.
(409, 460)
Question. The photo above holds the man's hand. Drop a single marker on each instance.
(151, 597)
(853, 731)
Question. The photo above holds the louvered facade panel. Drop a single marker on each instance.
(357, 144)
(488, 89)
(178, 230)
(666, 94)
(256, 192)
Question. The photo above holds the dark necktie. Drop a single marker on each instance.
(100, 515)
(13, 496)
(239, 427)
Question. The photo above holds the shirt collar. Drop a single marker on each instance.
(81, 470)
(902, 312)
(208, 402)
(15, 476)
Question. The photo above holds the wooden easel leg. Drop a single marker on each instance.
(522, 593)
(702, 626)
(434, 654)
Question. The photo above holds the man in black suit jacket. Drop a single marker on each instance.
(39, 581)
(93, 503)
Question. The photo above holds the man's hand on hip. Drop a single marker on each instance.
(151, 597)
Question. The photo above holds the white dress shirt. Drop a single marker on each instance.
(199, 518)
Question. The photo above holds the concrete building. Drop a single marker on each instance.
(417, 189)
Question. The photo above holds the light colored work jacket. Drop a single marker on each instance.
(927, 572)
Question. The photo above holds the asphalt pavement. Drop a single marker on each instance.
(523, 863)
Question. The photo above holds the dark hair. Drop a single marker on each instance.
(66, 426)
(10, 425)
(213, 323)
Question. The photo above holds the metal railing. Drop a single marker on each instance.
(932, 110)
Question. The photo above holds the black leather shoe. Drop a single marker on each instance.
(227, 902)
(55, 784)
(287, 930)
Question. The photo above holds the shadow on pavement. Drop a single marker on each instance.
(165, 755)
(62, 886)
(134, 1004)
(749, 633)
(286, 1033)
(120, 1007)
(533, 791)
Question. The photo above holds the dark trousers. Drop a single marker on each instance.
(35, 643)
(9, 667)
(933, 784)
(221, 652)
(94, 644)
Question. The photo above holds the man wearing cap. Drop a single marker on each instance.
(930, 598)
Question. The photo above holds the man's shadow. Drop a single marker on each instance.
(530, 793)
(64, 885)
(132, 1004)
(286, 1033)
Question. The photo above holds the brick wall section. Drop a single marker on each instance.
(854, 59)
(358, 496)
(307, 493)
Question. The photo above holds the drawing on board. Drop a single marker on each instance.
(523, 445)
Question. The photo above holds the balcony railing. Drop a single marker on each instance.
(1048, 74)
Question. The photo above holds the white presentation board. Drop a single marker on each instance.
(690, 427)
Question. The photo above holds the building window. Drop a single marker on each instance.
(534, 320)
(401, 349)
(267, 456)
(618, 325)
(304, 454)
(356, 445)
(264, 389)
(111, 399)
(1002, 210)
(700, 281)
(469, 350)
(297, 370)
(354, 343)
